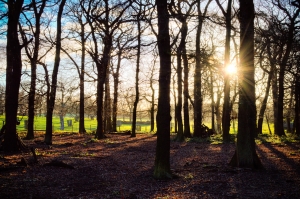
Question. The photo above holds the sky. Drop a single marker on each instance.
(217, 37)
(3, 20)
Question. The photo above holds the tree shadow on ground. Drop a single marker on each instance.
(126, 171)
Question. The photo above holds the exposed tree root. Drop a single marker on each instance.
(21, 146)
(255, 164)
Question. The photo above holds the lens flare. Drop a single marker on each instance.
(231, 69)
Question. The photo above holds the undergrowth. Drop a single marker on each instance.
(274, 139)
(261, 139)
(214, 139)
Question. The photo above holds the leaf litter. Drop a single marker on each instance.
(79, 166)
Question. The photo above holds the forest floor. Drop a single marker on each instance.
(122, 167)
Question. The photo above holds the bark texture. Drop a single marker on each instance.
(51, 97)
(162, 156)
(245, 155)
(13, 75)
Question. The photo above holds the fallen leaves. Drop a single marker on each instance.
(122, 167)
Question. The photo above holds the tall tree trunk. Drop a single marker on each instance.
(245, 154)
(137, 71)
(282, 67)
(116, 87)
(289, 110)
(280, 130)
(101, 63)
(197, 79)
(180, 136)
(31, 102)
(197, 75)
(152, 109)
(13, 75)
(180, 133)
(51, 98)
(62, 122)
(81, 83)
(62, 108)
(218, 111)
(275, 99)
(162, 156)
(226, 104)
(81, 73)
(33, 63)
(176, 11)
(102, 67)
(212, 101)
(107, 108)
(175, 104)
(297, 103)
(264, 104)
(181, 56)
(99, 101)
(186, 112)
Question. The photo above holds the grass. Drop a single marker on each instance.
(90, 125)
(214, 139)
(261, 139)
(267, 138)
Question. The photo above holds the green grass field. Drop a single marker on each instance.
(91, 125)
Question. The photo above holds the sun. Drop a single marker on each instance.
(231, 69)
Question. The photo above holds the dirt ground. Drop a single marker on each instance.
(78, 166)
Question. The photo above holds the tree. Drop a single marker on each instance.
(197, 75)
(123, 42)
(33, 55)
(52, 94)
(296, 125)
(264, 104)
(152, 82)
(163, 118)
(107, 21)
(267, 48)
(292, 17)
(107, 105)
(181, 54)
(214, 103)
(116, 75)
(226, 104)
(245, 154)
(174, 95)
(13, 75)
(137, 92)
(78, 16)
(277, 34)
(297, 101)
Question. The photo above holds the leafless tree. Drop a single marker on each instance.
(52, 94)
